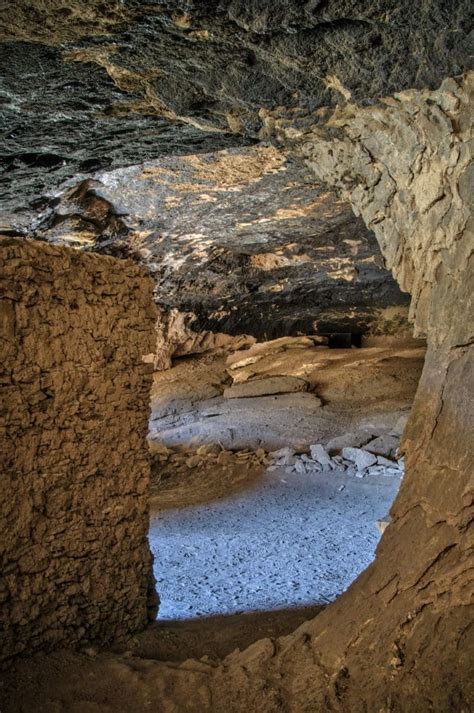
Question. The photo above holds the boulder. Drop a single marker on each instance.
(353, 439)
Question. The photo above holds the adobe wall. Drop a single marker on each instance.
(74, 558)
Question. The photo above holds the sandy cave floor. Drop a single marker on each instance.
(284, 541)
(229, 534)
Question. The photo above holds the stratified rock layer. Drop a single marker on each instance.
(75, 563)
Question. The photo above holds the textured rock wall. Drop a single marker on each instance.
(74, 558)
(91, 84)
(406, 167)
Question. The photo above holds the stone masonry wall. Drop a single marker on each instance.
(75, 565)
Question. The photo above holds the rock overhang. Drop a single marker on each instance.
(106, 85)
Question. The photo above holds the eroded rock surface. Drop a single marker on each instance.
(288, 392)
(109, 82)
(399, 638)
(239, 242)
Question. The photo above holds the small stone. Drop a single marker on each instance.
(193, 461)
(158, 449)
(320, 455)
(382, 524)
(375, 470)
(300, 467)
(282, 452)
(284, 456)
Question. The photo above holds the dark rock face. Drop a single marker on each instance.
(124, 81)
(60, 119)
(241, 239)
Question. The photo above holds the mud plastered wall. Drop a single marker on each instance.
(74, 557)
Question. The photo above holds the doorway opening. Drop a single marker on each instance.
(274, 469)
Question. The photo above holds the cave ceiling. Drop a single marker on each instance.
(93, 85)
(241, 240)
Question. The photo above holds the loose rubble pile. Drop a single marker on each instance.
(378, 457)
(188, 476)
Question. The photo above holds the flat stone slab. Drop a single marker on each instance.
(266, 387)
(262, 349)
(361, 458)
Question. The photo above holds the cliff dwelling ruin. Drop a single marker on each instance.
(236, 269)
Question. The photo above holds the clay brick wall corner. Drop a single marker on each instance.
(75, 565)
